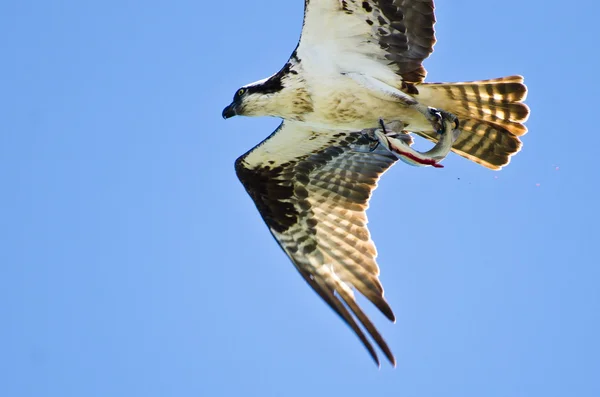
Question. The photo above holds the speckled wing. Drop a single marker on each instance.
(398, 34)
(312, 188)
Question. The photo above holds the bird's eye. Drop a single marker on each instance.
(241, 91)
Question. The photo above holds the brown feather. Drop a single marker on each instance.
(312, 189)
(491, 115)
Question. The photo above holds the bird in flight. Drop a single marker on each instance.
(357, 69)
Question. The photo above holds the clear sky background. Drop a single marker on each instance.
(132, 262)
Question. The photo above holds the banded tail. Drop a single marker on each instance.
(491, 115)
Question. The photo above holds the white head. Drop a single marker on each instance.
(282, 95)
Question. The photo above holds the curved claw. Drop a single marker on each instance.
(437, 120)
(450, 117)
(437, 117)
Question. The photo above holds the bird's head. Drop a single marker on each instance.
(255, 99)
(281, 95)
(245, 103)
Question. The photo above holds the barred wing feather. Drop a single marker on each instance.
(312, 188)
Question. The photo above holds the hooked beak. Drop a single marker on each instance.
(229, 111)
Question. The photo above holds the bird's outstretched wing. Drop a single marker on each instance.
(398, 34)
(312, 188)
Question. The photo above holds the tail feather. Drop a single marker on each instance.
(491, 115)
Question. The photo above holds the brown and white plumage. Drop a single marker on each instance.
(312, 188)
(388, 40)
(358, 62)
(491, 114)
(397, 34)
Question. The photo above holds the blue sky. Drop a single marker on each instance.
(133, 262)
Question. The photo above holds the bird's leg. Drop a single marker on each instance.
(436, 117)
(393, 129)
(370, 134)
(397, 143)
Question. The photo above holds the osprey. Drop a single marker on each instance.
(358, 63)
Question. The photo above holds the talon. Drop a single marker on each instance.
(371, 135)
(382, 124)
(438, 122)
(374, 146)
(451, 117)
